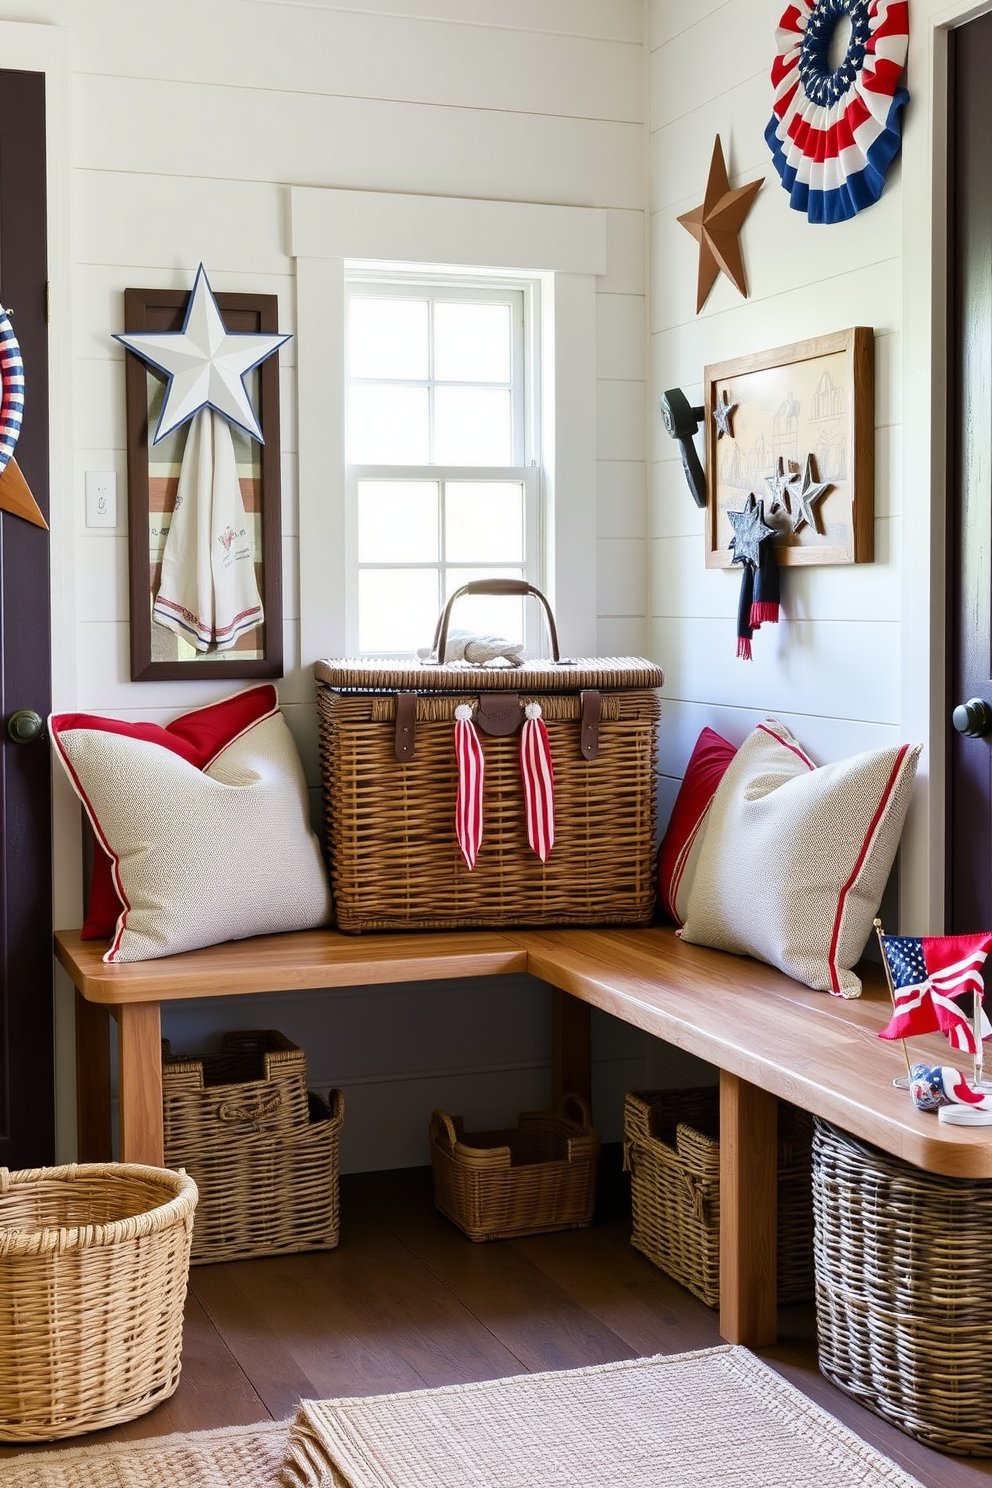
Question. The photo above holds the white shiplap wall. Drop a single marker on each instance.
(186, 124)
(831, 669)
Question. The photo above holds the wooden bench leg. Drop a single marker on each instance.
(94, 1133)
(139, 1082)
(748, 1204)
(571, 1047)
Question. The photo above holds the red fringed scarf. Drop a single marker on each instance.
(760, 599)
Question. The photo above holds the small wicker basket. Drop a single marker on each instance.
(258, 1085)
(94, 1260)
(672, 1151)
(533, 1178)
(263, 1151)
(904, 1291)
(269, 1194)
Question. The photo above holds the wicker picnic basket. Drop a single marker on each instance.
(904, 1291)
(672, 1151)
(94, 1260)
(263, 1150)
(533, 1178)
(391, 780)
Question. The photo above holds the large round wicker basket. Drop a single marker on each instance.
(94, 1259)
(903, 1263)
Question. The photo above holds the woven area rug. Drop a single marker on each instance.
(716, 1417)
(237, 1457)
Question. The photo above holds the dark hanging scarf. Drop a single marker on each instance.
(760, 597)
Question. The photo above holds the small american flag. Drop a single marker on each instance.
(935, 979)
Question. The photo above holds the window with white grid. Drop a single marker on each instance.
(443, 481)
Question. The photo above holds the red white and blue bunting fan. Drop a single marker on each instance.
(12, 401)
(834, 131)
(15, 495)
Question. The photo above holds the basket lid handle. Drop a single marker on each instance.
(493, 586)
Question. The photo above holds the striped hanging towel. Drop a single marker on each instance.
(539, 782)
(471, 772)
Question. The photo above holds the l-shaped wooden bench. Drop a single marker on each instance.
(768, 1036)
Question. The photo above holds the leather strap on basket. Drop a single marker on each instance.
(471, 772)
(539, 782)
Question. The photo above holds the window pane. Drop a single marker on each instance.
(484, 520)
(387, 338)
(388, 426)
(487, 614)
(471, 342)
(397, 608)
(472, 426)
(398, 522)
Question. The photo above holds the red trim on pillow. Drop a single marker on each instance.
(197, 737)
(792, 746)
(707, 766)
(681, 863)
(835, 988)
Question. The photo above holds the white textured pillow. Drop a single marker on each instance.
(199, 856)
(796, 858)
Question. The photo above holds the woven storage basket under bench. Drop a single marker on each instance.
(263, 1150)
(530, 1179)
(391, 781)
(672, 1151)
(904, 1291)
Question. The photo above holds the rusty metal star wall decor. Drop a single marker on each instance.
(16, 496)
(716, 225)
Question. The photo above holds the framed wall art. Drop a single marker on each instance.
(794, 428)
(155, 469)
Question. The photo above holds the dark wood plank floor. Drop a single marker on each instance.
(406, 1301)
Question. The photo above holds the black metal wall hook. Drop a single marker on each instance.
(682, 423)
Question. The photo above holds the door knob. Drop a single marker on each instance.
(24, 726)
(973, 718)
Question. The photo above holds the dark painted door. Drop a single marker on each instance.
(27, 1080)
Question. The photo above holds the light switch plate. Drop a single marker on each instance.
(101, 498)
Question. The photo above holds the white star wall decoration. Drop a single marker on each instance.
(206, 364)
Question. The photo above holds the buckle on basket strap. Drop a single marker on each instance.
(590, 709)
(499, 713)
(406, 725)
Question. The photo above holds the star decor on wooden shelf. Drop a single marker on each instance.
(805, 489)
(716, 225)
(722, 416)
(750, 530)
(779, 486)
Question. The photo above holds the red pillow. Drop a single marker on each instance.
(198, 736)
(683, 838)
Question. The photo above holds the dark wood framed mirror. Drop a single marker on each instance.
(157, 652)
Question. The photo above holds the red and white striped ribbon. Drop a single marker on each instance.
(539, 782)
(471, 772)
